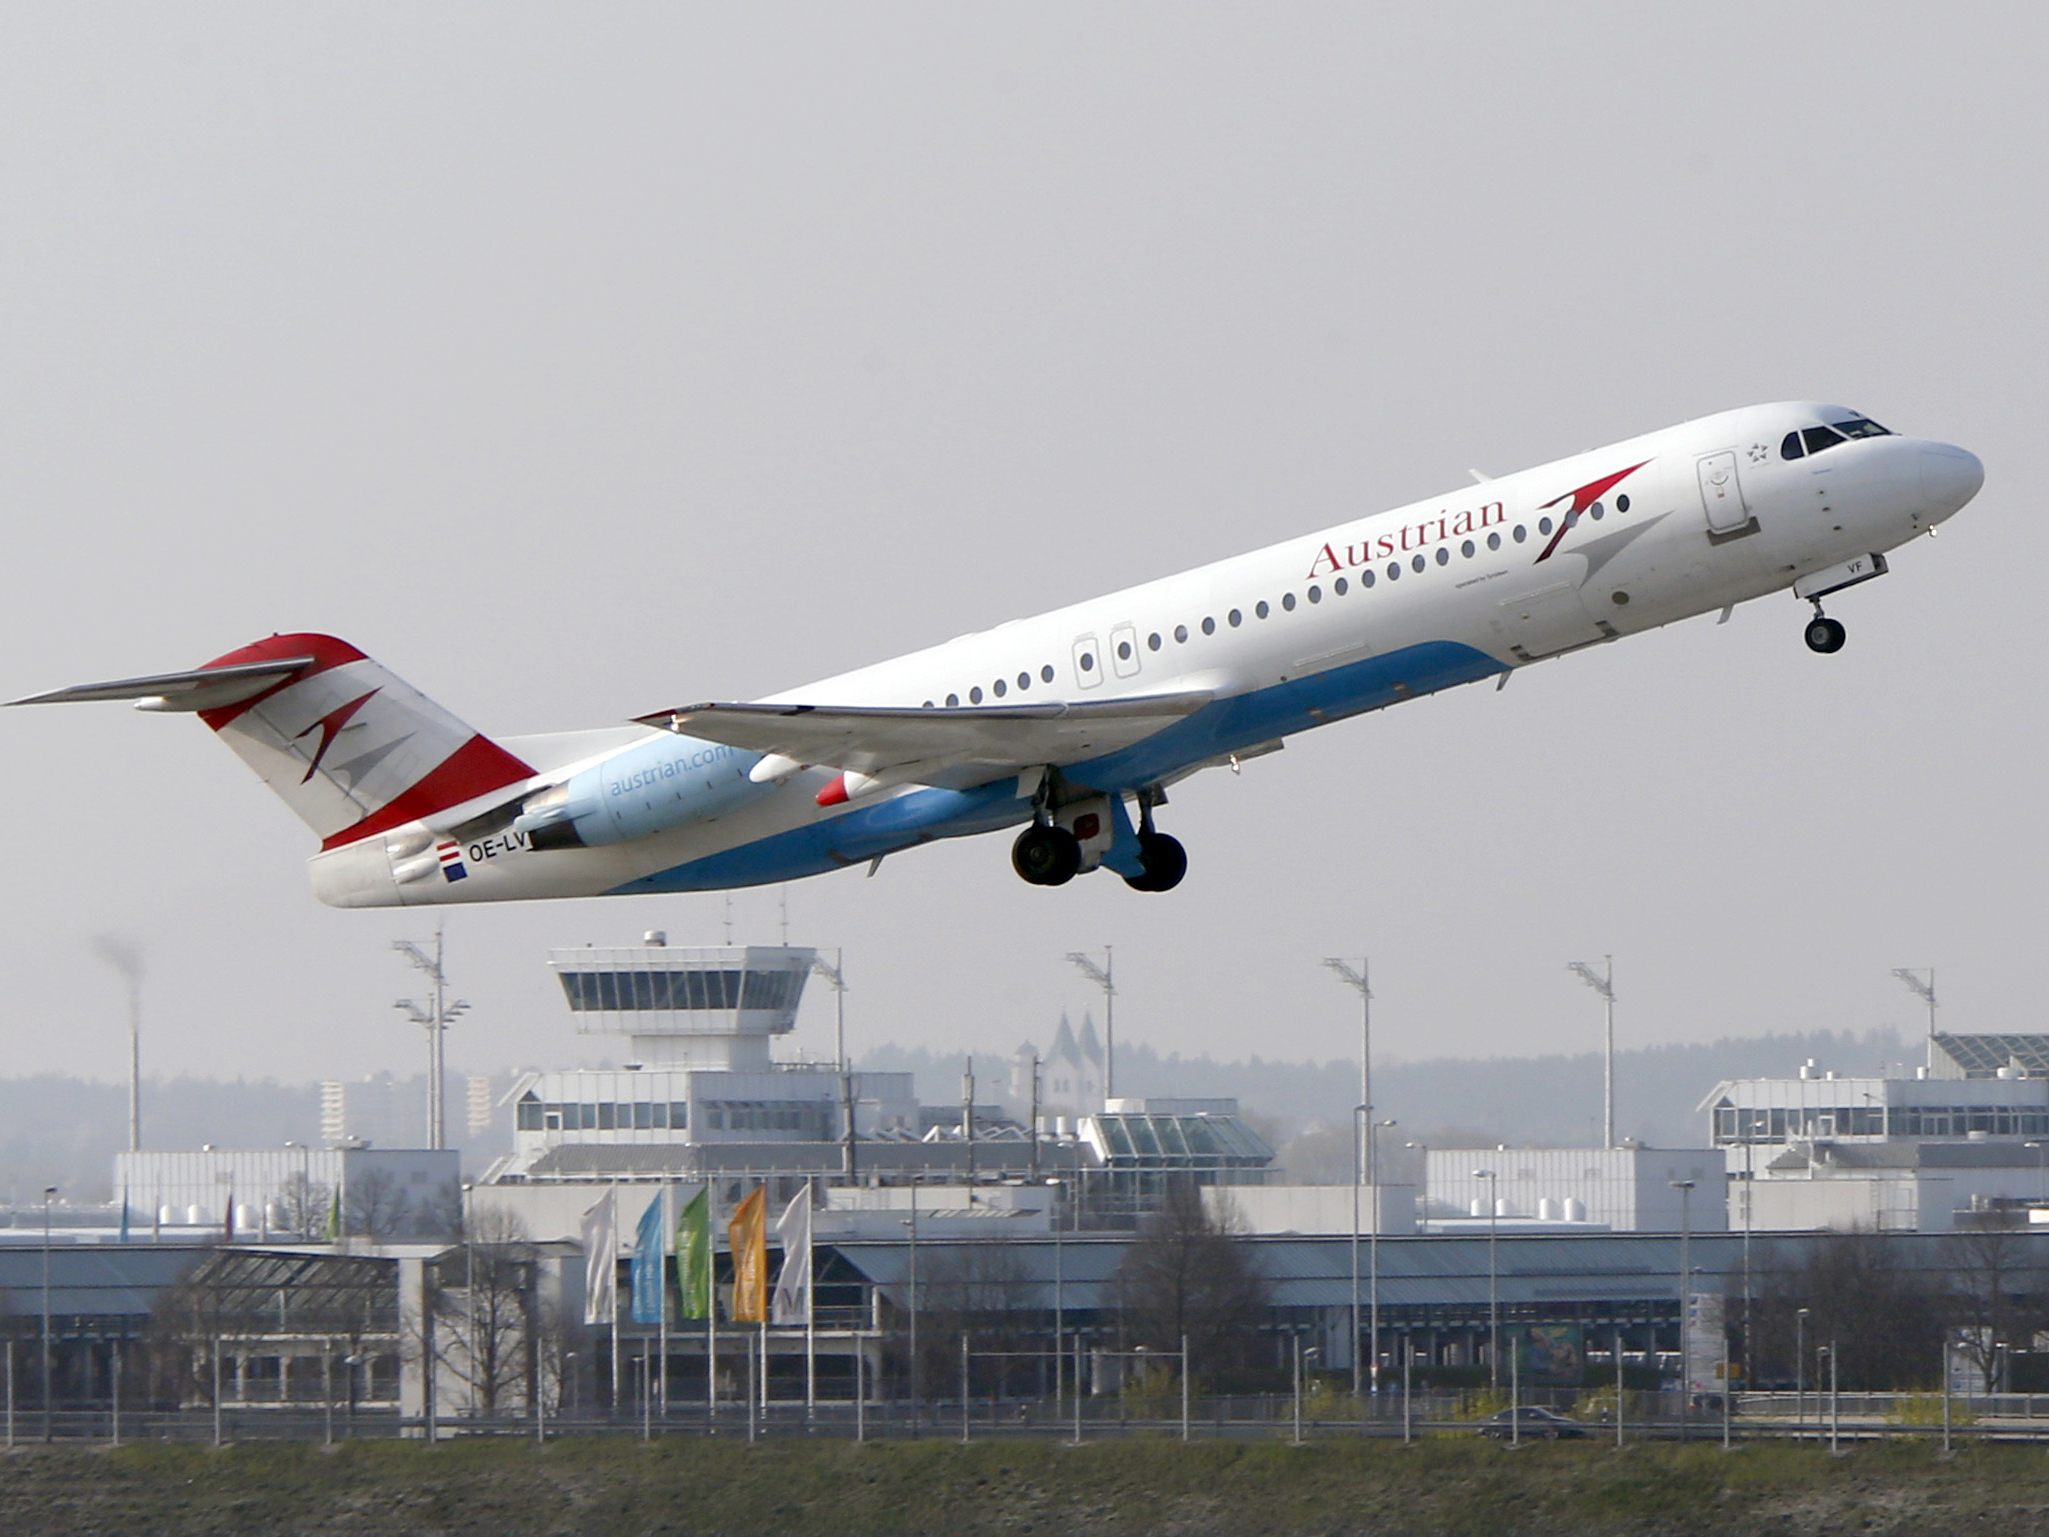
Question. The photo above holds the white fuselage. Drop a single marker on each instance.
(1680, 522)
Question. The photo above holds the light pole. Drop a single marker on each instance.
(1925, 991)
(1104, 976)
(1422, 1152)
(1360, 981)
(1685, 1189)
(1800, 1368)
(1603, 982)
(1493, 1279)
(1059, 1296)
(49, 1195)
(1360, 1115)
(1373, 1130)
(836, 977)
(1301, 1356)
(435, 1018)
(917, 1399)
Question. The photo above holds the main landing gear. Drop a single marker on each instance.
(1048, 854)
(1165, 861)
(1824, 634)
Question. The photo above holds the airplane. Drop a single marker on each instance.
(1077, 722)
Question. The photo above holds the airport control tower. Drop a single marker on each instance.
(713, 1009)
(698, 1087)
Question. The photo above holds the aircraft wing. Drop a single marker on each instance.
(956, 748)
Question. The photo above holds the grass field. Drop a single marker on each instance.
(621, 1488)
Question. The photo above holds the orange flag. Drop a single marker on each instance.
(748, 1232)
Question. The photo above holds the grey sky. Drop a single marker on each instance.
(579, 362)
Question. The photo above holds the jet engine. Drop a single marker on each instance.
(648, 788)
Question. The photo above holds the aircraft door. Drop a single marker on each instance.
(1124, 650)
(1088, 663)
(1721, 495)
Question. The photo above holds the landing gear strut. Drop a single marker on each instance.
(1825, 635)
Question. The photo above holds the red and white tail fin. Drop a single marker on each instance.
(354, 750)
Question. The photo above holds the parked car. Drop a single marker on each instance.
(1709, 1403)
(1530, 1423)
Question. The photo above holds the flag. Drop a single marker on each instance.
(601, 1261)
(693, 1255)
(793, 1285)
(124, 1211)
(748, 1232)
(334, 1222)
(650, 1259)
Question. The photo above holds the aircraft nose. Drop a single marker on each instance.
(1950, 476)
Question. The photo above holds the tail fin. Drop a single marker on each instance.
(352, 749)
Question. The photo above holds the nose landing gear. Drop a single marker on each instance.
(1825, 635)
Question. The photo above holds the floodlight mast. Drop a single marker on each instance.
(435, 1019)
(1925, 991)
(1104, 976)
(1362, 981)
(834, 973)
(1603, 982)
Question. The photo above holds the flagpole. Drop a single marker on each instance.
(711, 1303)
(810, 1326)
(612, 1280)
(662, 1324)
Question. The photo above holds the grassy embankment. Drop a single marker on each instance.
(621, 1488)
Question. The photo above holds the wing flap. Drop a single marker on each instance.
(955, 748)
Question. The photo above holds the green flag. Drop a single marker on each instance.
(693, 1254)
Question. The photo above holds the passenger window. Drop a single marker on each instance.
(1416, 563)
(1315, 594)
(1443, 556)
(1394, 570)
(1181, 634)
(1236, 618)
(1365, 578)
(1001, 688)
(1209, 626)
(1494, 541)
(1340, 587)
(1288, 601)
(953, 701)
(1262, 610)
(975, 695)
(1046, 673)
(1152, 641)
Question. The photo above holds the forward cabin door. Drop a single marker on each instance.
(1721, 496)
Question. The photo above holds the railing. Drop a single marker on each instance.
(1851, 1418)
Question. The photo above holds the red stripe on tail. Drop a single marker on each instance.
(327, 653)
(476, 768)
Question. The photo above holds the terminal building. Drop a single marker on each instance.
(1962, 1140)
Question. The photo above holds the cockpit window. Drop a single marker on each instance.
(1819, 438)
(1790, 448)
(1861, 427)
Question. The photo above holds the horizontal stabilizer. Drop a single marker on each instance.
(203, 688)
(954, 748)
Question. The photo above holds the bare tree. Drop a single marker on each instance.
(305, 1205)
(976, 1289)
(1189, 1275)
(1885, 1320)
(485, 1311)
(374, 1205)
(1996, 1294)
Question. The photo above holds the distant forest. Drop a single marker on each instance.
(65, 1131)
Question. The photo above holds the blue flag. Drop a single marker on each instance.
(650, 1251)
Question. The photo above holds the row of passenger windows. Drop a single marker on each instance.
(1805, 441)
(1156, 641)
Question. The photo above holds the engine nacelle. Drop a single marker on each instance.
(646, 789)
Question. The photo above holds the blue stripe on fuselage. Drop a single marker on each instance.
(1226, 726)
